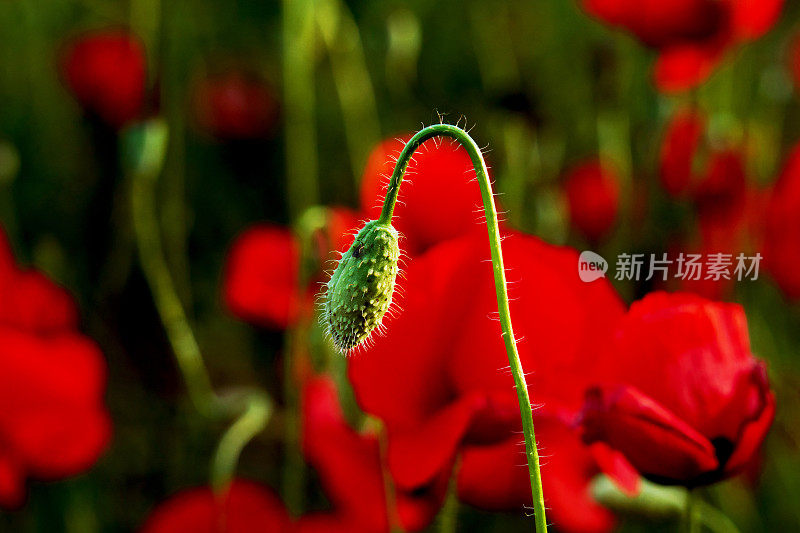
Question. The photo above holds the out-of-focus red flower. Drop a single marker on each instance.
(261, 281)
(592, 191)
(106, 72)
(691, 36)
(438, 199)
(782, 232)
(726, 206)
(247, 507)
(688, 402)
(235, 106)
(681, 141)
(52, 380)
(439, 378)
(349, 466)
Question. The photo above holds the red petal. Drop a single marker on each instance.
(261, 277)
(753, 18)
(683, 67)
(593, 197)
(349, 466)
(246, 508)
(53, 392)
(653, 439)
(678, 148)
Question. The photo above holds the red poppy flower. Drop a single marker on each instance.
(439, 378)
(261, 280)
(247, 507)
(52, 380)
(692, 36)
(106, 72)
(782, 235)
(688, 402)
(681, 141)
(235, 106)
(592, 191)
(439, 198)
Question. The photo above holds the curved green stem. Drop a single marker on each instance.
(256, 409)
(463, 138)
(144, 152)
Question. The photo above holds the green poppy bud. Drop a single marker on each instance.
(360, 289)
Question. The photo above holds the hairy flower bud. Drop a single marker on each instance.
(360, 290)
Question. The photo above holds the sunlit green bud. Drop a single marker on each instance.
(360, 290)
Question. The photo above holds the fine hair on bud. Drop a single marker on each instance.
(360, 290)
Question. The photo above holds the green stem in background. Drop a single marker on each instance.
(395, 525)
(448, 516)
(173, 91)
(353, 84)
(482, 175)
(310, 222)
(298, 103)
(690, 512)
(143, 150)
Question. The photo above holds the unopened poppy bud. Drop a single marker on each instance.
(360, 290)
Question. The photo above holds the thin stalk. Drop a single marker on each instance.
(353, 84)
(689, 522)
(251, 408)
(298, 99)
(393, 516)
(293, 481)
(482, 174)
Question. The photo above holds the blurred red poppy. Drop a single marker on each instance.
(681, 140)
(439, 198)
(685, 401)
(106, 72)
(235, 106)
(349, 468)
(261, 280)
(52, 381)
(439, 377)
(782, 232)
(691, 36)
(247, 507)
(592, 191)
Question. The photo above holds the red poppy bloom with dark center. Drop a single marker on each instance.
(235, 106)
(592, 191)
(349, 467)
(261, 281)
(691, 36)
(439, 377)
(782, 235)
(438, 199)
(52, 381)
(106, 71)
(688, 403)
